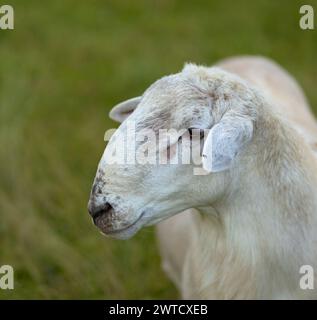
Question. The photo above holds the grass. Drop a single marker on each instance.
(62, 68)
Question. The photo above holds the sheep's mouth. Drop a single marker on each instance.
(122, 233)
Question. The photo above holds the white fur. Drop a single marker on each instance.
(255, 219)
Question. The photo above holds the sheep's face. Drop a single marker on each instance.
(151, 168)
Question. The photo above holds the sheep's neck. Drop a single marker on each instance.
(259, 231)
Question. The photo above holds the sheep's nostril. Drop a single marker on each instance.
(97, 211)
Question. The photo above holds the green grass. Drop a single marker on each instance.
(62, 68)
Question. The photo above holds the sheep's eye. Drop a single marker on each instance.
(195, 131)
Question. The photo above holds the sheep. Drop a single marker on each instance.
(243, 229)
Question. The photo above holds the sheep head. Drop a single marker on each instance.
(203, 115)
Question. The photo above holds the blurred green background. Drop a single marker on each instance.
(62, 68)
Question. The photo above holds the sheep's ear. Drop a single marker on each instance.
(122, 110)
(224, 141)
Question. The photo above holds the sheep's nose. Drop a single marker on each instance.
(97, 211)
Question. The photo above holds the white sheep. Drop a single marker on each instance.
(255, 218)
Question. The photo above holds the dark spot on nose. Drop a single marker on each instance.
(96, 189)
(97, 211)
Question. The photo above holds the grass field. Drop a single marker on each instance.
(62, 68)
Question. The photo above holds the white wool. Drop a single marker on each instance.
(255, 218)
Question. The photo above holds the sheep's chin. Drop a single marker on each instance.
(125, 233)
